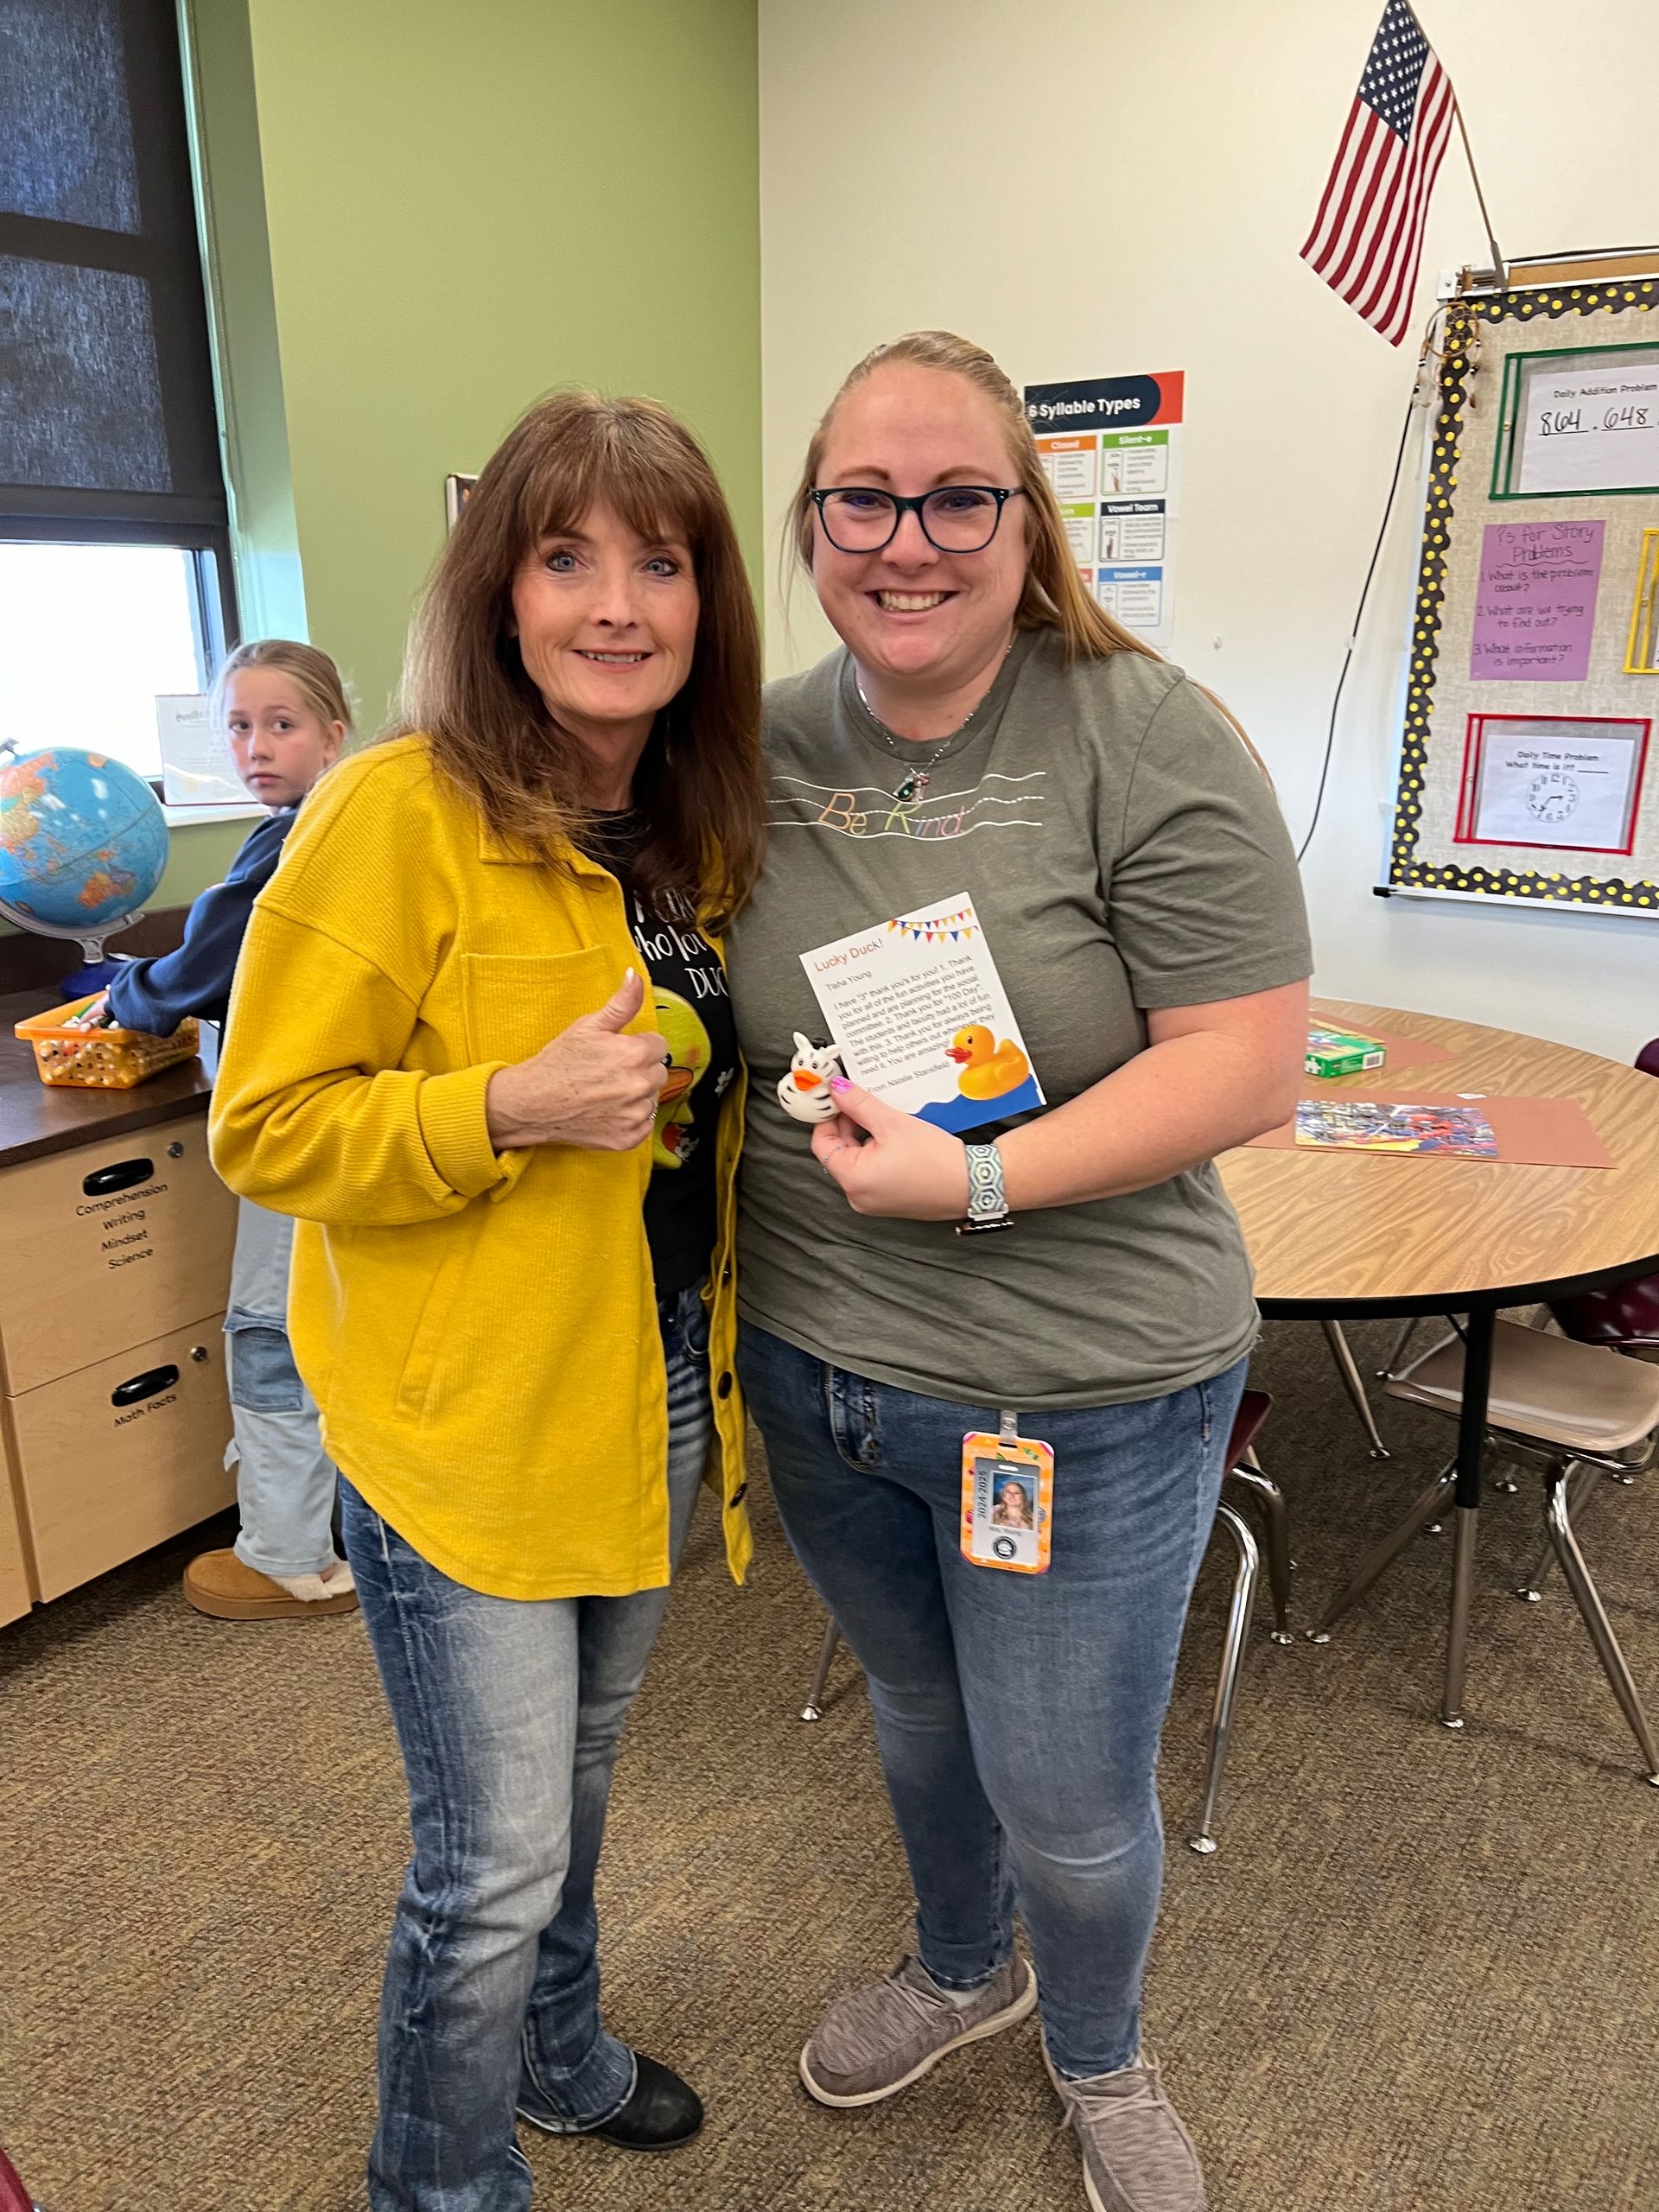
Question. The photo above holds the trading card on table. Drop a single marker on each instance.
(1364, 1125)
(1007, 1502)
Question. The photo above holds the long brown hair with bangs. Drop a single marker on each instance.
(1054, 597)
(700, 784)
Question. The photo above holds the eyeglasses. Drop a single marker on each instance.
(957, 518)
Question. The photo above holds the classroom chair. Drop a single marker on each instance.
(14, 2198)
(1575, 1411)
(1626, 1318)
(1244, 1472)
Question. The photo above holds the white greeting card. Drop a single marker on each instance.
(919, 1010)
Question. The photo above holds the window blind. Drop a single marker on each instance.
(107, 423)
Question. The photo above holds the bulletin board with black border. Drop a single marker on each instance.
(1530, 758)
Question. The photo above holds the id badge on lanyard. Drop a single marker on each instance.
(1008, 1499)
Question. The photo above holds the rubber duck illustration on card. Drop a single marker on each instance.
(989, 1070)
(804, 1092)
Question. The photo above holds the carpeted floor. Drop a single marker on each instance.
(1420, 1973)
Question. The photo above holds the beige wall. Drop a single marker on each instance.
(1090, 188)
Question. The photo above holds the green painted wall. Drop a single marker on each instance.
(467, 204)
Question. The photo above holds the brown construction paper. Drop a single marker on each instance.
(1530, 1132)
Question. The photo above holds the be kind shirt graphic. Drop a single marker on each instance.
(866, 811)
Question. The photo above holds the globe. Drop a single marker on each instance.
(83, 842)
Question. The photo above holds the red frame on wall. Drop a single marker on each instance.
(1474, 738)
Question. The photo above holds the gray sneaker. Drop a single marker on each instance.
(880, 2039)
(1137, 2155)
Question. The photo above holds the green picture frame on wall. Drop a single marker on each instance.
(1577, 421)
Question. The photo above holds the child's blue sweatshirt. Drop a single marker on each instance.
(156, 995)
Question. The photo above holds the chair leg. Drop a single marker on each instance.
(1232, 1662)
(1255, 1465)
(813, 1709)
(1595, 1619)
(1381, 1556)
(1579, 1488)
(1466, 1527)
(1354, 1387)
(1407, 1330)
(1278, 1521)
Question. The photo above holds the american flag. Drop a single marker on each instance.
(1368, 237)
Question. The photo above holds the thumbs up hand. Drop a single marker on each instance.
(888, 1163)
(592, 1085)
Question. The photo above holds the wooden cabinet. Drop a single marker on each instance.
(16, 1590)
(109, 1245)
(120, 1455)
(116, 1271)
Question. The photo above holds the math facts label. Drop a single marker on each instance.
(1110, 446)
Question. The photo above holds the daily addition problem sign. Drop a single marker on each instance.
(1584, 419)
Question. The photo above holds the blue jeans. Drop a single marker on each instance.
(285, 1483)
(508, 1715)
(1017, 1715)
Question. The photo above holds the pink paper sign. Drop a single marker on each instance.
(1535, 604)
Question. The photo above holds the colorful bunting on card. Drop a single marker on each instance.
(937, 926)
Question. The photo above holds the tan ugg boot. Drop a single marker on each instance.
(218, 1583)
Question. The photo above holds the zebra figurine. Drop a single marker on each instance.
(804, 1092)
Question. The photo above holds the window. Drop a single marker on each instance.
(89, 634)
(115, 577)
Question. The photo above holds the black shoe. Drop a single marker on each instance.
(663, 2112)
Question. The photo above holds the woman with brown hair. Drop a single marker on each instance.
(989, 730)
(482, 1046)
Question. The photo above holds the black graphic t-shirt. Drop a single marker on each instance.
(694, 1014)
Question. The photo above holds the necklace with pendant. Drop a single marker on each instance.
(915, 780)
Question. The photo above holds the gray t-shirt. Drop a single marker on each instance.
(1124, 853)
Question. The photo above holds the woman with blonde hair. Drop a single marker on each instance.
(482, 1046)
(990, 729)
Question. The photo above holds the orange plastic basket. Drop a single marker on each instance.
(102, 1059)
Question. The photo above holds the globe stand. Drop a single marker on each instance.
(95, 971)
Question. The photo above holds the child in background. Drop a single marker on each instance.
(283, 711)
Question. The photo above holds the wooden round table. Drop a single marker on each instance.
(1359, 1236)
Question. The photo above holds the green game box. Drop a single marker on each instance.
(1340, 1051)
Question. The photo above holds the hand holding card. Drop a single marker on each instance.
(890, 1164)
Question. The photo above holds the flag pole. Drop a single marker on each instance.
(1498, 268)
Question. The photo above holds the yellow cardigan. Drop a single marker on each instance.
(480, 1330)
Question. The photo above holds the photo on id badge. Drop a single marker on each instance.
(1007, 1503)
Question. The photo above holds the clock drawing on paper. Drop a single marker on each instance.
(1554, 795)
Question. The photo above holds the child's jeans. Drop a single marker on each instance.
(285, 1481)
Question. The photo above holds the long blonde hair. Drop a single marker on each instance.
(1054, 597)
(700, 784)
(315, 677)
